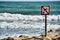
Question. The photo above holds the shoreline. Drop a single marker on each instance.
(53, 31)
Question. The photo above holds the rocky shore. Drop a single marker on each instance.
(51, 35)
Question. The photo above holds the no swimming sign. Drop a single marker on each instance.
(45, 10)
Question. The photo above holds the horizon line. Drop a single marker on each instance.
(26, 1)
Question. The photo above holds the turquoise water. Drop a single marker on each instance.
(29, 8)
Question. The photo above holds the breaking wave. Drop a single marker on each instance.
(8, 20)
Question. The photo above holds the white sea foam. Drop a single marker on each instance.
(31, 22)
(8, 16)
(16, 20)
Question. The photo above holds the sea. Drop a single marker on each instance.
(24, 18)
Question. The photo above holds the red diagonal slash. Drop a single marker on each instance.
(44, 8)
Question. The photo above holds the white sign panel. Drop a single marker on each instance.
(45, 10)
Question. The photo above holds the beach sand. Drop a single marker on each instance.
(51, 35)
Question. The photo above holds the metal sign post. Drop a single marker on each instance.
(45, 25)
(45, 10)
